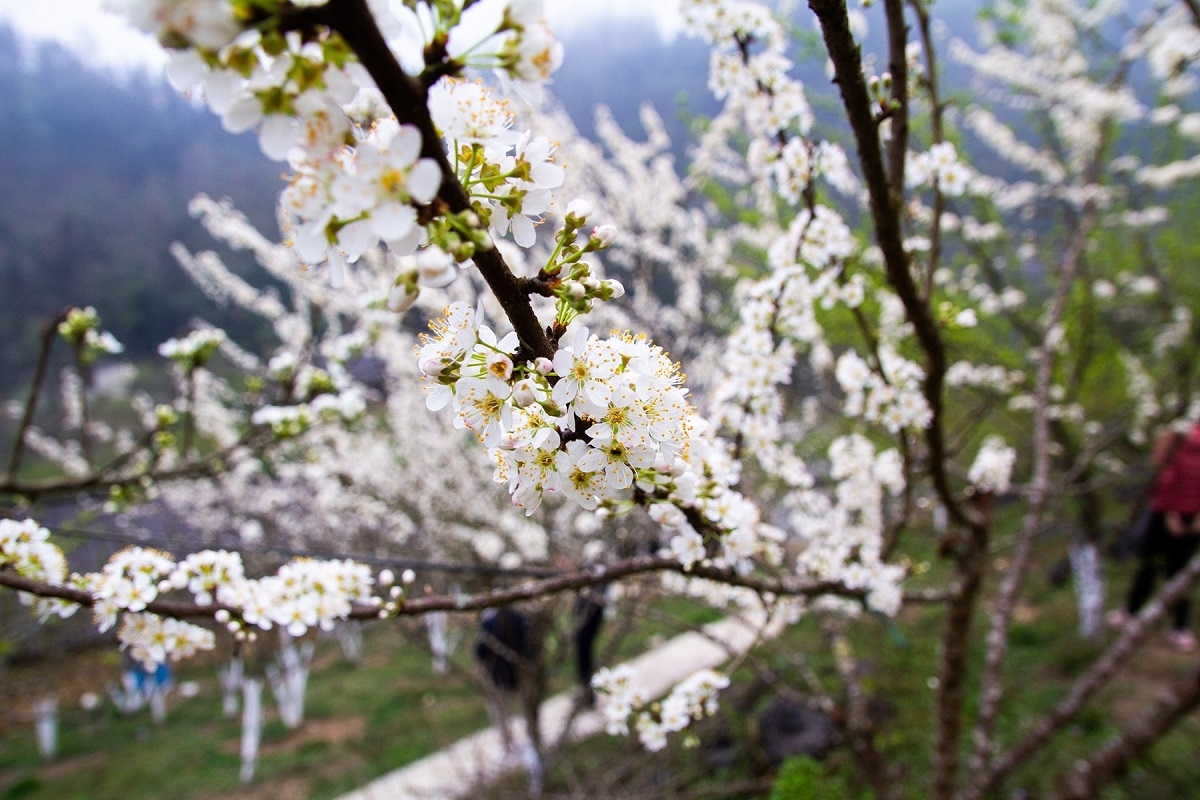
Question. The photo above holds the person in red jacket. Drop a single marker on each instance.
(1174, 530)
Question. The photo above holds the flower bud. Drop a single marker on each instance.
(463, 251)
(386, 577)
(575, 289)
(580, 209)
(402, 296)
(433, 366)
(614, 288)
(408, 576)
(435, 268)
(603, 236)
(524, 392)
(543, 365)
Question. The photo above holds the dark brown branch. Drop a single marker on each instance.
(527, 590)
(885, 211)
(407, 96)
(952, 667)
(163, 608)
(1193, 7)
(103, 477)
(897, 32)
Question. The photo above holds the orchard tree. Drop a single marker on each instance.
(944, 305)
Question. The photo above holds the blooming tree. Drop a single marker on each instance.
(927, 309)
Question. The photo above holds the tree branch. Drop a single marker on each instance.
(1087, 776)
(897, 32)
(101, 478)
(527, 590)
(885, 211)
(407, 97)
(992, 686)
(858, 725)
(1090, 682)
(49, 331)
(1193, 7)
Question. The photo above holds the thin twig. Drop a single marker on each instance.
(991, 686)
(49, 333)
(1087, 776)
(1097, 676)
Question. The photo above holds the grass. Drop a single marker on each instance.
(1046, 656)
(361, 721)
(365, 720)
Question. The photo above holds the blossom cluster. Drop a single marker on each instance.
(302, 594)
(890, 395)
(320, 395)
(151, 639)
(939, 167)
(81, 329)
(769, 104)
(25, 549)
(992, 470)
(843, 534)
(598, 418)
(994, 377)
(357, 174)
(778, 316)
(509, 175)
(194, 349)
(692, 699)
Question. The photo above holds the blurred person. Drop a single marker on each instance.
(1173, 532)
(509, 655)
(588, 618)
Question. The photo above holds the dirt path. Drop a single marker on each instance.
(451, 772)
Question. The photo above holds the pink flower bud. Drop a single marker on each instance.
(604, 235)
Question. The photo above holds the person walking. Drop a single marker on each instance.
(1173, 533)
(588, 617)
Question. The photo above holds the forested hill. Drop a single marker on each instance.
(95, 178)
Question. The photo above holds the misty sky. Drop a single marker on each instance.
(104, 40)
